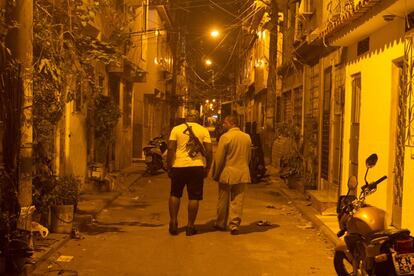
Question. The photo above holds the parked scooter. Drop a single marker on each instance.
(368, 247)
(155, 154)
(257, 166)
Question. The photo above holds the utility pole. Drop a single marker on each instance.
(271, 79)
(20, 43)
(176, 67)
(176, 50)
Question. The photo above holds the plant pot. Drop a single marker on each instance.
(62, 219)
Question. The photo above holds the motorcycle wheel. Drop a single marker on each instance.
(343, 266)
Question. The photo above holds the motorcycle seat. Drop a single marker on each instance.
(389, 233)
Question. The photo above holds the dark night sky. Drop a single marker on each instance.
(202, 17)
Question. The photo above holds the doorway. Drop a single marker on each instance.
(355, 115)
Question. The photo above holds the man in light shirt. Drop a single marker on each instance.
(185, 170)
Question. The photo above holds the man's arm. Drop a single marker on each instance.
(209, 156)
(219, 158)
(172, 147)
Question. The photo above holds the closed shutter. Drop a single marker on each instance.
(297, 106)
(325, 123)
(287, 106)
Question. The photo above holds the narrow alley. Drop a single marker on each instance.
(131, 238)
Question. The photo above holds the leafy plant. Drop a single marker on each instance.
(105, 117)
(66, 191)
(291, 163)
(53, 190)
(301, 160)
(62, 50)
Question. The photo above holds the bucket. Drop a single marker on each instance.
(62, 219)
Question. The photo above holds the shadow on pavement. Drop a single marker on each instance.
(98, 228)
(130, 205)
(254, 227)
(274, 193)
(132, 223)
(244, 229)
(147, 174)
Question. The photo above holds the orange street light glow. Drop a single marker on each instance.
(214, 33)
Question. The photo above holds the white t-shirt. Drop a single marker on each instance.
(182, 159)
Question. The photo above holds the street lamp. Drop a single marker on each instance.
(214, 33)
(209, 106)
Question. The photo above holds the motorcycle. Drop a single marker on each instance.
(368, 247)
(155, 153)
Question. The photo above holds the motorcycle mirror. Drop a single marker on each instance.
(352, 183)
(371, 160)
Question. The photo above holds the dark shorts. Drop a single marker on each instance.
(193, 177)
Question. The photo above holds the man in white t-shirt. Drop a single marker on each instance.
(185, 170)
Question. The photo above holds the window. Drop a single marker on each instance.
(363, 46)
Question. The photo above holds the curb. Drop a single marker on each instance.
(79, 220)
(52, 249)
(82, 219)
(310, 214)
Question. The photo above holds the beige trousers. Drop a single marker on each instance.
(230, 205)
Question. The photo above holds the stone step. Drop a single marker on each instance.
(322, 201)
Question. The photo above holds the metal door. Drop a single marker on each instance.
(355, 114)
(326, 114)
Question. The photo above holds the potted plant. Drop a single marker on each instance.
(64, 200)
(291, 162)
(292, 168)
(103, 116)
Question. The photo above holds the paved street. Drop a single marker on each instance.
(131, 238)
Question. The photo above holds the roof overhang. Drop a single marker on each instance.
(310, 52)
(366, 20)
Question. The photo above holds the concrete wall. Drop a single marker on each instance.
(75, 146)
(149, 108)
(377, 107)
(123, 146)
